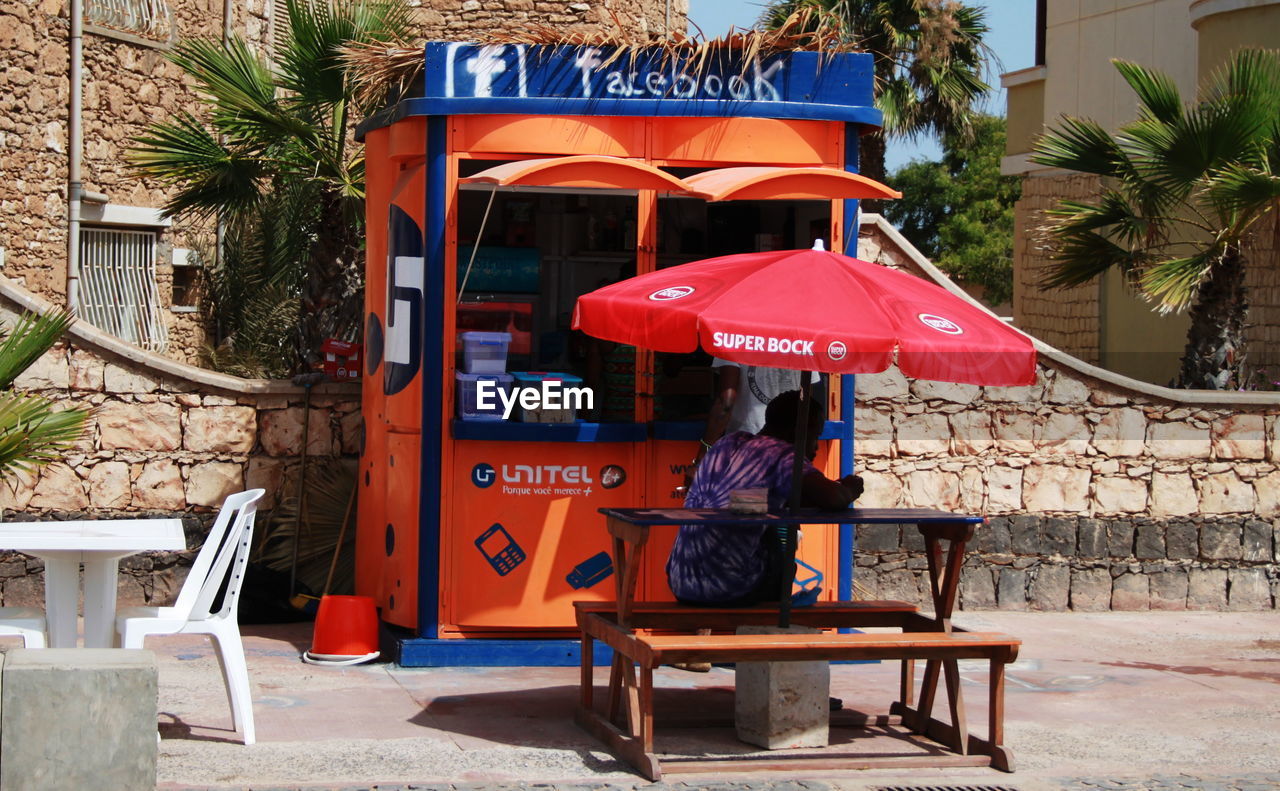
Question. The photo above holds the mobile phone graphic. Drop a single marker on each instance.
(590, 571)
(500, 549)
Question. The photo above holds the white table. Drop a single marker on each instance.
(98, 544)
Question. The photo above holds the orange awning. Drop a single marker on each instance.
(586, 171)
(784, 183)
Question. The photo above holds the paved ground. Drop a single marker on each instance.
(1096, 701)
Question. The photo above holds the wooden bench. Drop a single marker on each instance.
(631, 738)
(827, 615)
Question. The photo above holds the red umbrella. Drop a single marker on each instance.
(809, 310)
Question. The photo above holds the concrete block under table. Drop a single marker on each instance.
(780, 705)
(82, 718)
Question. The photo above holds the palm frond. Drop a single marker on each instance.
(1158, 95)
(1174, 283)
(33, 433)
(209, 178)
(330, 484)
(31, 337)
(1236, 189)
(1082, 145)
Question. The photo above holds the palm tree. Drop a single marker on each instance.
(281, 134)
(31, 431)
(1183, 186)
(929, 59)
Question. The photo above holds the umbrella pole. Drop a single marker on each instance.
(797, 481)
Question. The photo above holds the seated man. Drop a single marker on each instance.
(718, 565)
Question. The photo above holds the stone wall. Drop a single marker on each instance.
(128, 84)
(1103, 492)
(165, 439)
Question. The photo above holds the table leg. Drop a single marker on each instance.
(61, 597)
(100, 581)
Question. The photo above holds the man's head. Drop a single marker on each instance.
(780, 419)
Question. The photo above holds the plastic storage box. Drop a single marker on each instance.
(560, 405)
(468, 389)
(485, 352)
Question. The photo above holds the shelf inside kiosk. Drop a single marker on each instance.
(525, 254)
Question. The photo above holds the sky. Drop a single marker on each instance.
(1012, 37)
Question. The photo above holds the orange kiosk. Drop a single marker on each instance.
(514, 179)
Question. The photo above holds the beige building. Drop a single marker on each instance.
(1104, 322)
(136, 268)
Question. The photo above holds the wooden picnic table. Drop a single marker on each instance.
(627, 625)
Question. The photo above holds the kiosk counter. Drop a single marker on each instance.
(514, 179)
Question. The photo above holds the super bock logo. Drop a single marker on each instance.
(940, 324)
(836, 350)
(671, 292)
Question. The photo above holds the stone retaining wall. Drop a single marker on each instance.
(1102, 492)
(165, 439)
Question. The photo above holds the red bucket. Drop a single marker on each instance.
(346, 631)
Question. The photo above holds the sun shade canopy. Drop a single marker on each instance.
(784, 183)
(587, 172)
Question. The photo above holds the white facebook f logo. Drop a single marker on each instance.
(486, 63)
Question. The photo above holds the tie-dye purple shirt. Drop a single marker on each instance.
(711, 564)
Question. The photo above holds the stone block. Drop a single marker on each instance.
(1207, 589)
(872, 432)
(211, 482)
(877, 538)
(1221, 541)
(1182, 541)
(109, 485)
(134, 426)
(78, 718)
(1255, 541)
(1091, 538)
(50, 371)
(883, 490)
(927, 390)
(925, 434)
(1267, 488)
(1168, 589)
(1225, 493)
(1065, 434)
(1173, 494)
(352, 429)
(1150, 542)
(889, 383)
(1090, 590)
(971, 432)
(1120, 539)
(1119, 495)
(123, 380)
(1066, 389)
(1012, 589)
(912, 539)
(86, 371)
(1055, 488)
(60, 489)
(1058, 536)
(1014, 431)
(1239, 436)
(221, 429)
(977, 589)
(782, 705)
(1131, 592)
(1024, 535)
(1121, 432)
(280, 431)
(159, 486)
(1177, 441)
(993, 537)
(1248, 589)
(1050, 587)
(900, 585)
(1004, 489)
(934, 489)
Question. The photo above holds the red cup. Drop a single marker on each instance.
(345, 626)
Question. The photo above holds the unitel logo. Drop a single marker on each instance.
(940, 324)
(671, 292)
(483, 475)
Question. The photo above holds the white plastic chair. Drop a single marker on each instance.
(222, 559)
(25, 622)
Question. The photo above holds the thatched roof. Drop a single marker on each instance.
(385, 71)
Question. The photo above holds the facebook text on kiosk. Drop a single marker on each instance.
(550, 394)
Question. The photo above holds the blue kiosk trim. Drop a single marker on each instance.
(461, 79)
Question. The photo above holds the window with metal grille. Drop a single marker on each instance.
(118, 285)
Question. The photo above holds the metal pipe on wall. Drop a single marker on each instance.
(75, 152)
